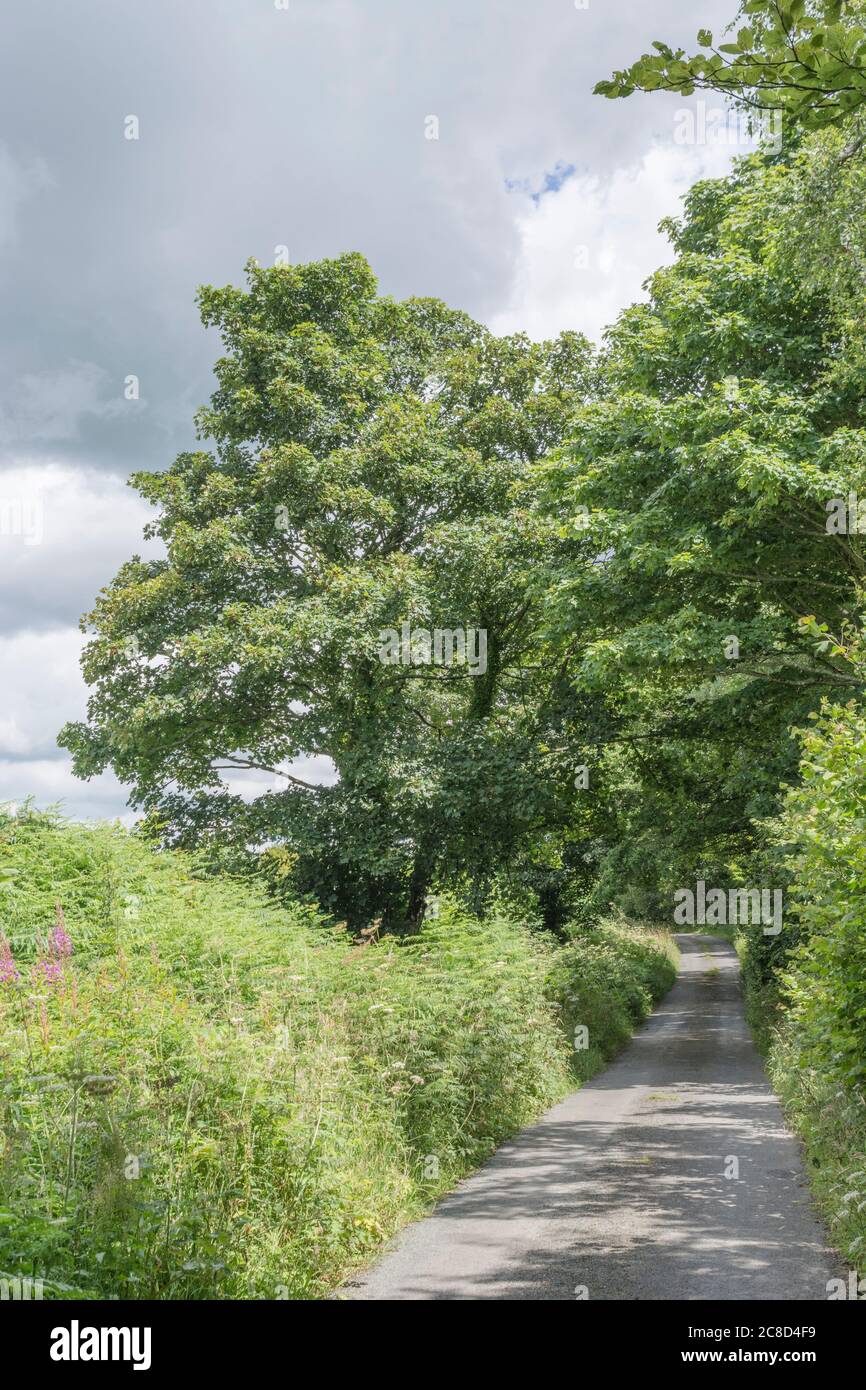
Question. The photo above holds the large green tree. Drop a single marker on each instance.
(730, 412)
(371, 464)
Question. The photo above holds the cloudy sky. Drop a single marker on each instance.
(264, 124)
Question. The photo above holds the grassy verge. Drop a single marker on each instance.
(831, 1121)
(827, 1116)
(206, 1095)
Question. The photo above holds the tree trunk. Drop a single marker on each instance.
(417, 898)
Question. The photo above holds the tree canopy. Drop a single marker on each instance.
(729, 412)
(640, 535)
(370, 468)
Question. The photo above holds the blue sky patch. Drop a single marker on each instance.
(551, 181)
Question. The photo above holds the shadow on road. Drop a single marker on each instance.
(669, 1176)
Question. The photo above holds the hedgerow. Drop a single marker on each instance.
(207, 1095)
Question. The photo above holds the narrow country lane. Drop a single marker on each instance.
(621, 1189)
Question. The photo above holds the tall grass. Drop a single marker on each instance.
(217, 1097)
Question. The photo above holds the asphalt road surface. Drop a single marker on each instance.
(620, 1191)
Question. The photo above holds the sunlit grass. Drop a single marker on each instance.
(221, 1097)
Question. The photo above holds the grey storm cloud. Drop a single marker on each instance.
(262, 127)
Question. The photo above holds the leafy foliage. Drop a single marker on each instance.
(223, 1098)
(372, 465)
(718, 524)
(812, 984)
(806, 58)
(825, 819)
(729, 412)
(643, 534)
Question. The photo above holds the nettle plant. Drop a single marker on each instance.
(371, 464)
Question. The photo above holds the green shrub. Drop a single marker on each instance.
(607, 981)
(215, 1096)
(809, 983)
(831, 1120)
(826, 818)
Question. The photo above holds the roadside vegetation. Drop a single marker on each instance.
(806, 988)
(759, 531)
(663, 545)
(207, 1095)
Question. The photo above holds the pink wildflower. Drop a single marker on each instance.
(61, 941)
(49, 970)
(8, 973)
(50, 967)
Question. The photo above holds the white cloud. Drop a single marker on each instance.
(586, 249)
(18, 182)
(49, 782)
(64, 531)
(42, 688)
